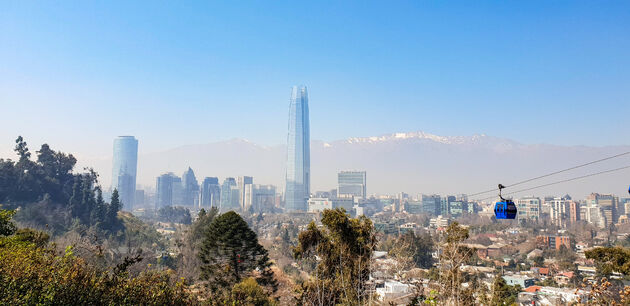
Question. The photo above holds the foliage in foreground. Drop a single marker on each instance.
(344, 246)
(32, 274)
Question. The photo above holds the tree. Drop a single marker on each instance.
(539, 261)
(249, 292)
(344, 246)
(6, 226)
(610, 259)
(453, 256)
(188, 259)
(174, 214)
(97, 216)
(230, 252)
(502, 293)
(112, 212)
(31, 273)
(418, 248)
(566, 258)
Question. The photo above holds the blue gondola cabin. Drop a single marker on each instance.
(505, 210)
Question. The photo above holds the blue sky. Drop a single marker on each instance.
(77, 73)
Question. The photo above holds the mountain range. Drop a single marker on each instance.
(414, 162)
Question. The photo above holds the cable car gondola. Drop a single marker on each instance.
(505, 209)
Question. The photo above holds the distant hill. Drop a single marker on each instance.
(415, 162)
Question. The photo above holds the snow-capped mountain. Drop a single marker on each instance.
(415, 162)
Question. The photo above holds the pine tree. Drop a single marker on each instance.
(75, 202)
(87, 201)
(230, 252)
(97, 216)
(112, 212)
(501, 292)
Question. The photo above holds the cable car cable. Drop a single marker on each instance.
(554, 173)
(562, 181)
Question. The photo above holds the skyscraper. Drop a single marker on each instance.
(164, 190)
(351, 183)
(210, 193)
(228, 198)
(298, 178)
(125, 164)
(190, 187)
(245, 187)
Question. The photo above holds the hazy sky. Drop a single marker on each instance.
(77, 73)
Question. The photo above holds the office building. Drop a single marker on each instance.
(528, 208)
(264, 198)
(229, 200)
(245, 197)
(445, 205)
(560, 209)
(298, 180)
(210, 194)
(431, 204)
(124, 167)
(574, 212)
(316, 205)
(352, 184)
(164, 189)
(190, 189)
(602, 209)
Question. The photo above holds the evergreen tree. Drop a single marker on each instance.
(87, 201)
(112, 212)
(97, 217)
(75, 200)
(230, 252)
(502, 293)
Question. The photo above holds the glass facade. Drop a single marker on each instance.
(352, 183)
(229, 200)
(298, 178)
(210, 193)
(190, 194)
(124, 167)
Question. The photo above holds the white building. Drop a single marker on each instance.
(528, 208)
(560, 211)
(392, 289)
(439, 221)
(317, 205)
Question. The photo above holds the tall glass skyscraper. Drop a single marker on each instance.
(298, 179)
(125, 164)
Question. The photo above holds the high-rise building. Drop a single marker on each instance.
(351, 184)
(298, 176)
(138, 199)
(264, 198)
(445, 205)
(560, 210)
(164, 190)
(227, 195)
(245, 197)
(602, 209)
(178, 190)
(431, 204)
(124, 167)
(210, 193)
(190, 186)
(528, 208)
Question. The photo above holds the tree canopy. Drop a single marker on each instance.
(344, 246)
(230, 252)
